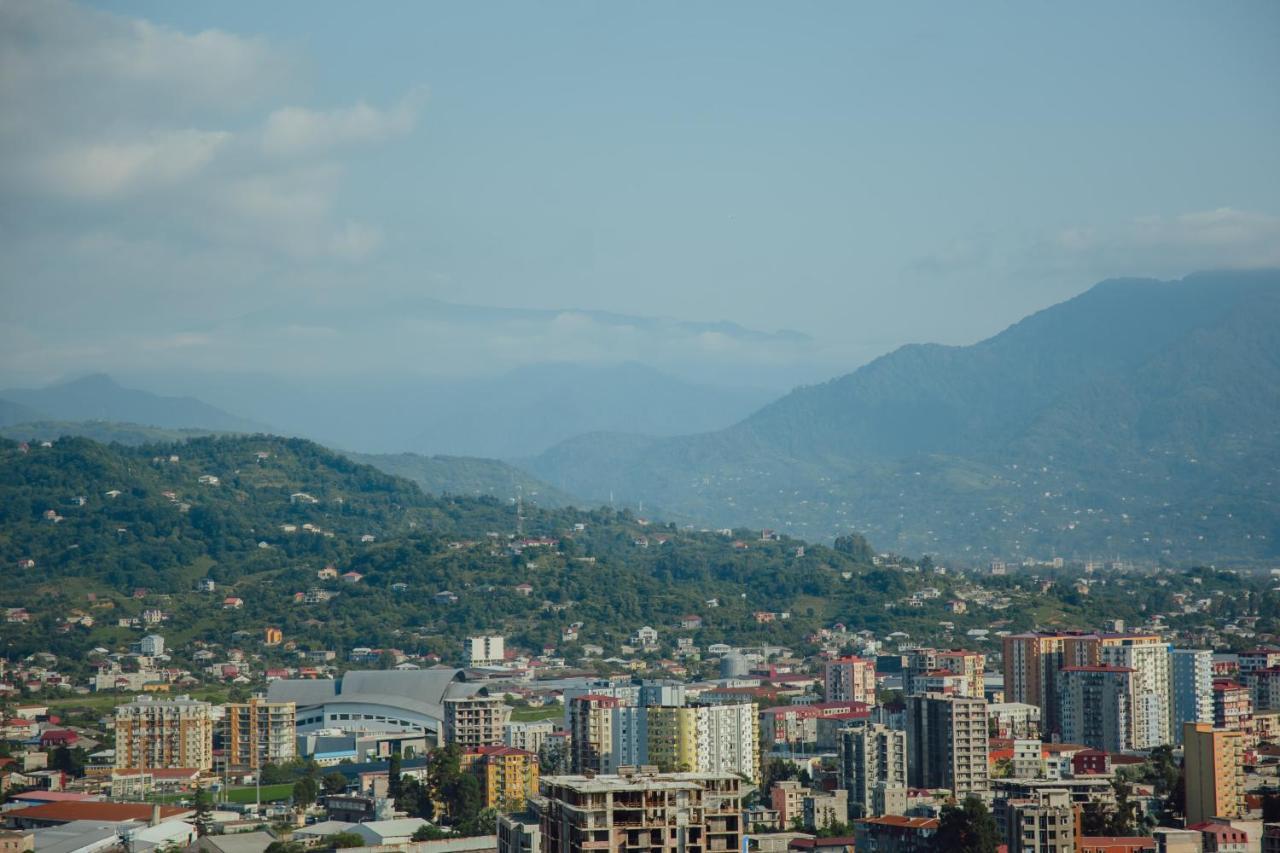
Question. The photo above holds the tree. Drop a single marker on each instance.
(334, 782)
(429, 832)
(966, 828)
(203, 802)
(340, 840)
(305, 791)
(394, 777)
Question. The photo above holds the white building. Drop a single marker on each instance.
(486, 650)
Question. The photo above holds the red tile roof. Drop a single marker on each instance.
(93, 810)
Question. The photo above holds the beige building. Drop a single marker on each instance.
(591, 732)
(850, 679)
(1043, 824)
(475, 720)
(259, 732)
(654, 812)
(164, 733)
(1215, 773)
(868, 755)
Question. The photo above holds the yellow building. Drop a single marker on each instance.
(1215, 772)
(673, 738)
(508, 776)
(704, 739)
(272, 636)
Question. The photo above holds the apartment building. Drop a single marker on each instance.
(868, 756)
(1032, 663)
(475, 720)
(164, 733)
(1214, 771)
(850, 679)
(1148, 656)
(591, 732)
(1190, 689)
(486, 650)
(258, 732)
(654, 812)
(508, 776)
(947, 743)
(1044, 823)
(1096, 706)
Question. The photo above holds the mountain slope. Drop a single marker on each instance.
(17, 413)
(466, 476)
(1139, 418)
(99, 398)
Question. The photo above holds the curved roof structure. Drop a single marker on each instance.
(422, 691)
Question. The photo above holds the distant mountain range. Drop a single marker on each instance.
(515, 414)
(99, 398)
(1141, 419)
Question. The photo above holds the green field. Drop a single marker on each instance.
(529, 715)
(270, 794)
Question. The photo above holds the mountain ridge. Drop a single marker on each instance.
(821, 459)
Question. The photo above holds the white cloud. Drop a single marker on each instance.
(105, 169)
(1224, 237)
(178, 136)
(292, 130)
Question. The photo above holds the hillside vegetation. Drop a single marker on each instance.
(282, 510)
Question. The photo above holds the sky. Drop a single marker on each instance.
(223, 186)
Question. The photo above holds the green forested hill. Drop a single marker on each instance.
(112, 557)
(1139, 419)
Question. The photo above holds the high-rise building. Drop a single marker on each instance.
(259, 732)
(485, 650)
(591, 732)
(475, 720)
(153, 734)
(1148, 656)
(1232, 706)
(851, 679)
(1264, 688)
(657, 813)
(947, 743)
(1214, 763)
(508, 776)
(1190, 688)
(1031, 666)
(629, 738)
(971, 665)
(1096, 706)
(869, 755)
(697, 738)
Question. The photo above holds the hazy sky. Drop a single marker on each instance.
(868, 174)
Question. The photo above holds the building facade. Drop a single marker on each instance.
(1190, 689)
(947, 743)
(655, 812)
(1096, 706)
(1214, 761)
(868, 756)
(475, 720)
(161, 734)
(259, 732)
(851, 679)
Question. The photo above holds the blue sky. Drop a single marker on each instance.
(868, 174)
